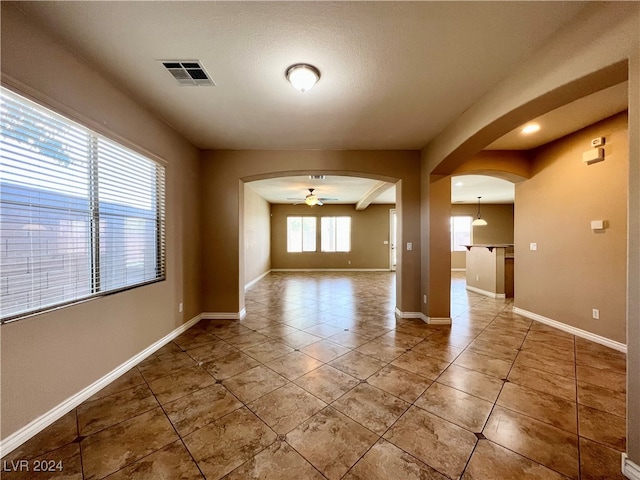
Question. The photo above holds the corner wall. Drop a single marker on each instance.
(575, 269)
(257, 235)
(50, 357)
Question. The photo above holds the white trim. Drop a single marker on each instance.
(630, 469)
(423, 317)
(224, 315)
(458, 269)
(330, 270)
(256, 280)
(420, 315)
(486, 293)
(621, 347)
(439, 320)
(17, 438)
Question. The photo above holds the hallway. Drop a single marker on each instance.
(320, 380)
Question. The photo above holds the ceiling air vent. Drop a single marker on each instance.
(188, 72)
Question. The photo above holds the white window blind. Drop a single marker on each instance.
(79, 214)
(336, 234)
(301, 234)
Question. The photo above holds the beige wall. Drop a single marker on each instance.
(575, 269)
(257, 235)
(600, 47)
(369, 231)
(485, 269)
(499, 228)
(633, 261)
(50, 357)
(224, 171)
(438, 208)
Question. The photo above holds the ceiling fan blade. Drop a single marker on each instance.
(319, 203)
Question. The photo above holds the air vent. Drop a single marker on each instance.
(316, 177)
(188, 72)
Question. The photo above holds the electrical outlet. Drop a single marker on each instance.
(477, 278)
(180, 307)
(533, 246)
(596, 313)
(424, 299)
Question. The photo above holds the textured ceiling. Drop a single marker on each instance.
(394, 74)
(567, 119)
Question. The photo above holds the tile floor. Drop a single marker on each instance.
(320, 380)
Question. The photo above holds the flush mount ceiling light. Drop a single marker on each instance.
(531, 128)
(479, 221)
(302, 76)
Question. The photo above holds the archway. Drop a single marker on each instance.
(224, 174)
(272, 201)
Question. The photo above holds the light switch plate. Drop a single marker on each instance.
(533, 246)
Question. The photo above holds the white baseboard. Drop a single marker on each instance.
(17, 438)
(439, 320)
(621, 347)
(224, 315)
(423, 317)
(486, 293)
(418, 315)
(256, 280)
(630, 469)
(331, 270)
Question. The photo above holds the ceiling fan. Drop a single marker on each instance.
(311, 199)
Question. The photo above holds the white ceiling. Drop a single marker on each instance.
(567, 119)
(347, 190)
(467, 189)
(394, 74)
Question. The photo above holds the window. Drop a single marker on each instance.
(336, 234)
(301, 234)
(80, 215)
(460, 232)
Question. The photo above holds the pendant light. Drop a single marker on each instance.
(479, 221)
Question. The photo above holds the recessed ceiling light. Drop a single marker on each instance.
(531, 128)
(302, 76)
(458, 184)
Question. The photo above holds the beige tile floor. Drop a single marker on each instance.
(320, 380)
